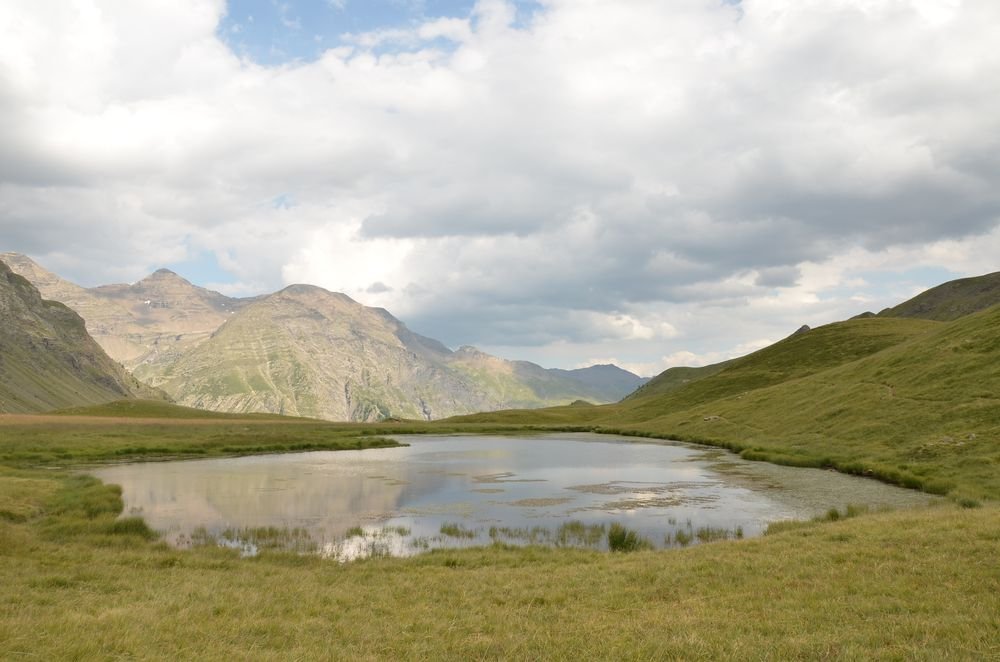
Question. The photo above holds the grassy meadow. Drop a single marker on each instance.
(76, 582)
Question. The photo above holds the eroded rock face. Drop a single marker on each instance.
(145, 326)
(47, 358)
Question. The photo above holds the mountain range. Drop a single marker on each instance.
(304, 351)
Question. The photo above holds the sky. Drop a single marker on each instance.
(570, 182)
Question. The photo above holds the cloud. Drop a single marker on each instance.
(778, 276)
(637, 179)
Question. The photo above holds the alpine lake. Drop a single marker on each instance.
(564, 489)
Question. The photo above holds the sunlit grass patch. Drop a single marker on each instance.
(24, 497)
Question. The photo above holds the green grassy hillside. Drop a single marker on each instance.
(913, 402)
(951, 300)
(672, 379)
(794, 357)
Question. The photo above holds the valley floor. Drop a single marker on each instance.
(76, 582)
(908, 585)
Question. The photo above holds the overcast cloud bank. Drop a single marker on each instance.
(645, 182)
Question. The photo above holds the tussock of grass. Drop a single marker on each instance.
(622, 539)
(132, 526)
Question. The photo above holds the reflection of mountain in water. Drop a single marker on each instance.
(259, 492)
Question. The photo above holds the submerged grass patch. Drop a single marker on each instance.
(269, 538)
(453, 530)
(577, 534)
(832, 515)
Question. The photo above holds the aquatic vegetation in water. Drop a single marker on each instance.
(622, 539)
(534, 535)
(456, 530)
(540, 503)
(576, 533)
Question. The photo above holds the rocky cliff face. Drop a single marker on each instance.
(47, 359)
(146, 326)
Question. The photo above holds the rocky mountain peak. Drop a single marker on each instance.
(164, 273)
(164, 277)
(50, 285)
(300, 289)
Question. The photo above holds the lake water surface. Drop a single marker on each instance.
(450, 491)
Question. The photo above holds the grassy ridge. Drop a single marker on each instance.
(75, 582)
(793, 358)
(951, 300)
(672, 379)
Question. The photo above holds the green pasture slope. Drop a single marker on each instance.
(905, 400)
(909, 401)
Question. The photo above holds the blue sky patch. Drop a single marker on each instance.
(201, 269)
(274, 32)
